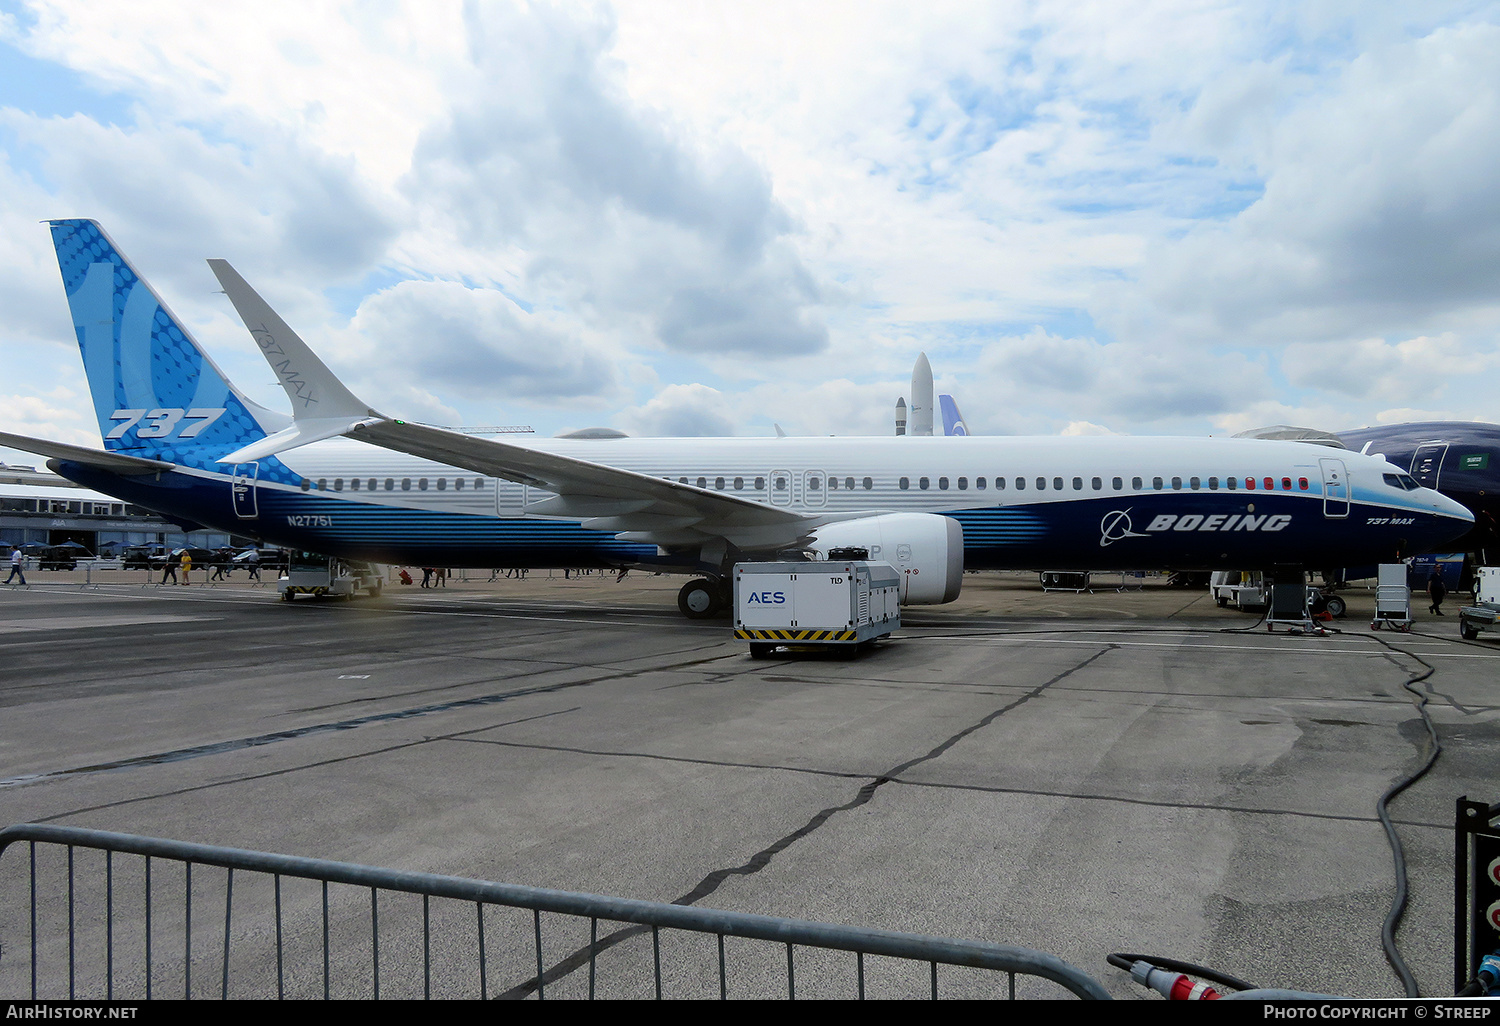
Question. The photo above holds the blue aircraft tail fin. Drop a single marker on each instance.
(953, 421)
(156, 393)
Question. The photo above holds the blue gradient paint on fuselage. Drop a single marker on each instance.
(1220, 531)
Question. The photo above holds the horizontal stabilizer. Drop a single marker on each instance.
(114, 462)
(302, 432)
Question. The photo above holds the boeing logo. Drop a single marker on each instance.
(1116, 526)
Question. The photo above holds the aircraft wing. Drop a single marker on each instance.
(114, 462)
(584, 489)
(624, 502)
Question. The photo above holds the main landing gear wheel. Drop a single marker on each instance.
(1336, 607)
(699, 599)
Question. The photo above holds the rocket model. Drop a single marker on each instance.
(900, 416)
(919, 419)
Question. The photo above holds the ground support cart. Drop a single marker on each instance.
(321, 576)
(846, 604)
(1392, 598)
(1484, 614)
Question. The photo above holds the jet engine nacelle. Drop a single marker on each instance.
(926, 548)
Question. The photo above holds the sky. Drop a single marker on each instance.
(673, 218)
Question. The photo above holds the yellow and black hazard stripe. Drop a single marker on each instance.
(741, 634)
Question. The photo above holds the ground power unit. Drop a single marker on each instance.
(847, 603)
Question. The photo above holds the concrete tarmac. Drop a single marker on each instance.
(1122, 771)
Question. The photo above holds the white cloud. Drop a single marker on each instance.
(681, 410)
(1379, 213)
(476, 344)
(619, 210)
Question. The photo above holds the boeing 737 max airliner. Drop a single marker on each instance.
(340, 478)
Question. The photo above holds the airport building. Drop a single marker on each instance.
(37, 506)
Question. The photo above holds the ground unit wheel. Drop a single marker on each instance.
(1467, 631)
(1336, 607)
(699, 599)
(288, 595)
(761, 649)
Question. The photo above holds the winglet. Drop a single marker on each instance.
(322, 406)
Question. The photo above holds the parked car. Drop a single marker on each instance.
(60, 557)
(139, 557)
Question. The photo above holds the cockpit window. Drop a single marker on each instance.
(1402, 481)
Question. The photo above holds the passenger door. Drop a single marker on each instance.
(1427, 463)
(1335, 488)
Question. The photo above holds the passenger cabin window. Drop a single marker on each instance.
(760, 483)
(903, 484)
(719, 483)
(421, 484)
(1193, 483)
(1156, 483)
(922, 484)
(306, 484)
(406, 484)
(390, 484)
(322, 484)
(338, 484)
(1021, 484)
(833, 484)
(1078, 484)
(780, 483)
(739, 483)
(458, 484)
(703, 482)
(1213, 484)
(1057, 483)
(963, 484)
(1231, 482)
(442, 483)
(943, 484)
(1117, 484)
(1098, 485)
(1177, 483)
(1041, 484)
(849, 483)
(479, 484)
(1135, 483)
(979, 483)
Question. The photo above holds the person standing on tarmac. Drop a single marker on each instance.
(1437, 591)
(187, 565)
(15, 566)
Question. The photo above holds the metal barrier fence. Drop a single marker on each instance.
(130, 939)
